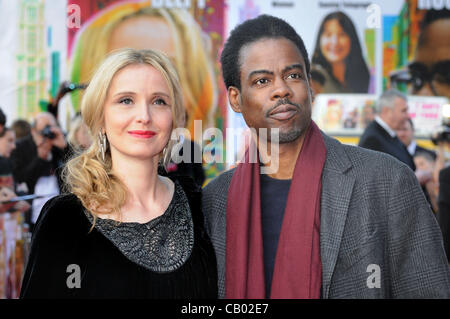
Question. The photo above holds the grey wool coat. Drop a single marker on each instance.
(378, 236)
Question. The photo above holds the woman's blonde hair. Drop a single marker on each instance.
(87, 175)
(75, 125)
(194, 67)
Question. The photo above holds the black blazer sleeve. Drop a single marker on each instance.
(51, 252)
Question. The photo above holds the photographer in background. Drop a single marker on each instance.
(36, 159)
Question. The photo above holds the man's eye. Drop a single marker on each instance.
(126, 101)
(261, 81)
(295, 76)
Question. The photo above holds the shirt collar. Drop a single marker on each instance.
(412, 147)
(385, 126)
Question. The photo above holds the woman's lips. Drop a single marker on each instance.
(142, 134)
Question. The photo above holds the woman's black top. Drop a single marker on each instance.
(169, 257)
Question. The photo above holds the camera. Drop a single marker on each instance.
(442, 134)
(47, 133)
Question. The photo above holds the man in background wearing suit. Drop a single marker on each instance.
(334, 220)
(406, 135)
(380, 135)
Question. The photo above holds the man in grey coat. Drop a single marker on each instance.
(333, 221)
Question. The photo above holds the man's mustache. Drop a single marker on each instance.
(283, 101)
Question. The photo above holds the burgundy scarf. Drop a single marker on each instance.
(298, 269)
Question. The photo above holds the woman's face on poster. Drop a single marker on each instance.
(144, 32)
(334, 42)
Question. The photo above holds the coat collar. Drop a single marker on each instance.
(337, 188)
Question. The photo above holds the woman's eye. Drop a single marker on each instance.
(160, 102)
(126, 101)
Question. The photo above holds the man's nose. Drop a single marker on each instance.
(282, 89)
(425, 90)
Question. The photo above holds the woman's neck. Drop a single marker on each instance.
(339, 71)
(140, 177)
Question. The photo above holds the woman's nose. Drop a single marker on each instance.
(144, 115)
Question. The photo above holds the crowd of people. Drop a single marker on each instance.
(105, 202)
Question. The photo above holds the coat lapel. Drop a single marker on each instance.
(337, 188)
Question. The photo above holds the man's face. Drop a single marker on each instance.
(405, 133)
(275, 91)
(42, 120)
(423, 164)
(435, 49)
(398, 114)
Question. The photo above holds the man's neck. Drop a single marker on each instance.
(286, 158)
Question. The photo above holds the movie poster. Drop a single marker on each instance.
(189, 32)
(355, 46)
(51, 45)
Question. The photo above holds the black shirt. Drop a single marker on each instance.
(274, 195)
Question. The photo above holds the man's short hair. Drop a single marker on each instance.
(430, 17)
(21, 127)
(264, 26)
(387, 99)
(429, 156)
(2, 118)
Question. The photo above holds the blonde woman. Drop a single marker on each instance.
(138, 25)
(124, 231)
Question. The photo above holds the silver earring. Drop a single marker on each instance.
(102, 144)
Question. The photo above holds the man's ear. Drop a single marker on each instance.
(310, 88)
(313, 94)
(234, 96)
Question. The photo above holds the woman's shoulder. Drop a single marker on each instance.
(64, 201)
(188, 184)
(62, 213)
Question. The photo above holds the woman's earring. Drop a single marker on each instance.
(102, 143)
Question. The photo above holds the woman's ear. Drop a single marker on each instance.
(234, 96)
